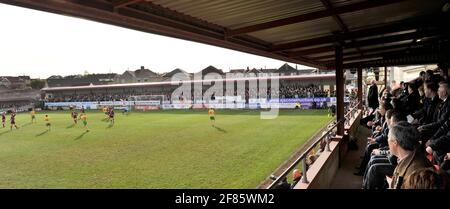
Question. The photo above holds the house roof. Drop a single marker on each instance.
(79, 80)
(174, 72)
(211, 69)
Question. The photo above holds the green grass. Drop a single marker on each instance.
(159, 149)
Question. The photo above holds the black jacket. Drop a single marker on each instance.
(372, 96)
(443, 130)
(413, 102)
(441, 115)
(441, 144)
(426, 113)
(382, 138)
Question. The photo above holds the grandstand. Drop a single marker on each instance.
(295, 87)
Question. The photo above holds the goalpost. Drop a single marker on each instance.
(145, 102)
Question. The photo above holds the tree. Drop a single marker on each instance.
(37, 83)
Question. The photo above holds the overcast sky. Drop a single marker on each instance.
(41, 44)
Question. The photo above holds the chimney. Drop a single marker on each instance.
(296, 67)
(142, 68)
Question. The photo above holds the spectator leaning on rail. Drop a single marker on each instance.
(403, 142)
(284, 184)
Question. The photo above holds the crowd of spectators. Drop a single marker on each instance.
(90, 97)
(285, 91)
(410, 143)
(298, 91)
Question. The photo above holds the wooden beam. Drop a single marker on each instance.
(432, 58)
(124, 3)
(368, 42)
(311, 16)
(311, 51)
(394, 38)
(338, 20)
(368, 51)
(413, 23)
(381, 54)
(304, 43)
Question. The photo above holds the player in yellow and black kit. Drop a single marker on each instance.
(47, 122)
(83, 118)
(212, 116)
(33, 116)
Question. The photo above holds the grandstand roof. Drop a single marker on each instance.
(372, 33)
(161, 83)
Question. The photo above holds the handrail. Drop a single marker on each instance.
(302, 157)
(352, 109)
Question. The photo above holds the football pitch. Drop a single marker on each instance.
(156, 149)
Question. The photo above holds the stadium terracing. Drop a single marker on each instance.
(326, 34)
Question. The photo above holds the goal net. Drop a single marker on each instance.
(146, 102)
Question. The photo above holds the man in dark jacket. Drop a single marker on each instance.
(413, 99)
(426, 114)
(442, 114)
(372, 96)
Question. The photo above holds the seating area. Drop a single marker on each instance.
(408, 142)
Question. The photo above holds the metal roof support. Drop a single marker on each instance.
(385, 77)
(340, 83)
(360, 90)
(125, 3)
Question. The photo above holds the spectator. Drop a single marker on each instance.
(412, 99)
(445, 166)
(282, 184)
(375, 141)
(372, 96)
(382, 163)
(296, 176)
(442, 115)
(423, 75)
(425, 178)
(403, 142)
(426, 114)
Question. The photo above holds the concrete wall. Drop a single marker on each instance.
(321, 173)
